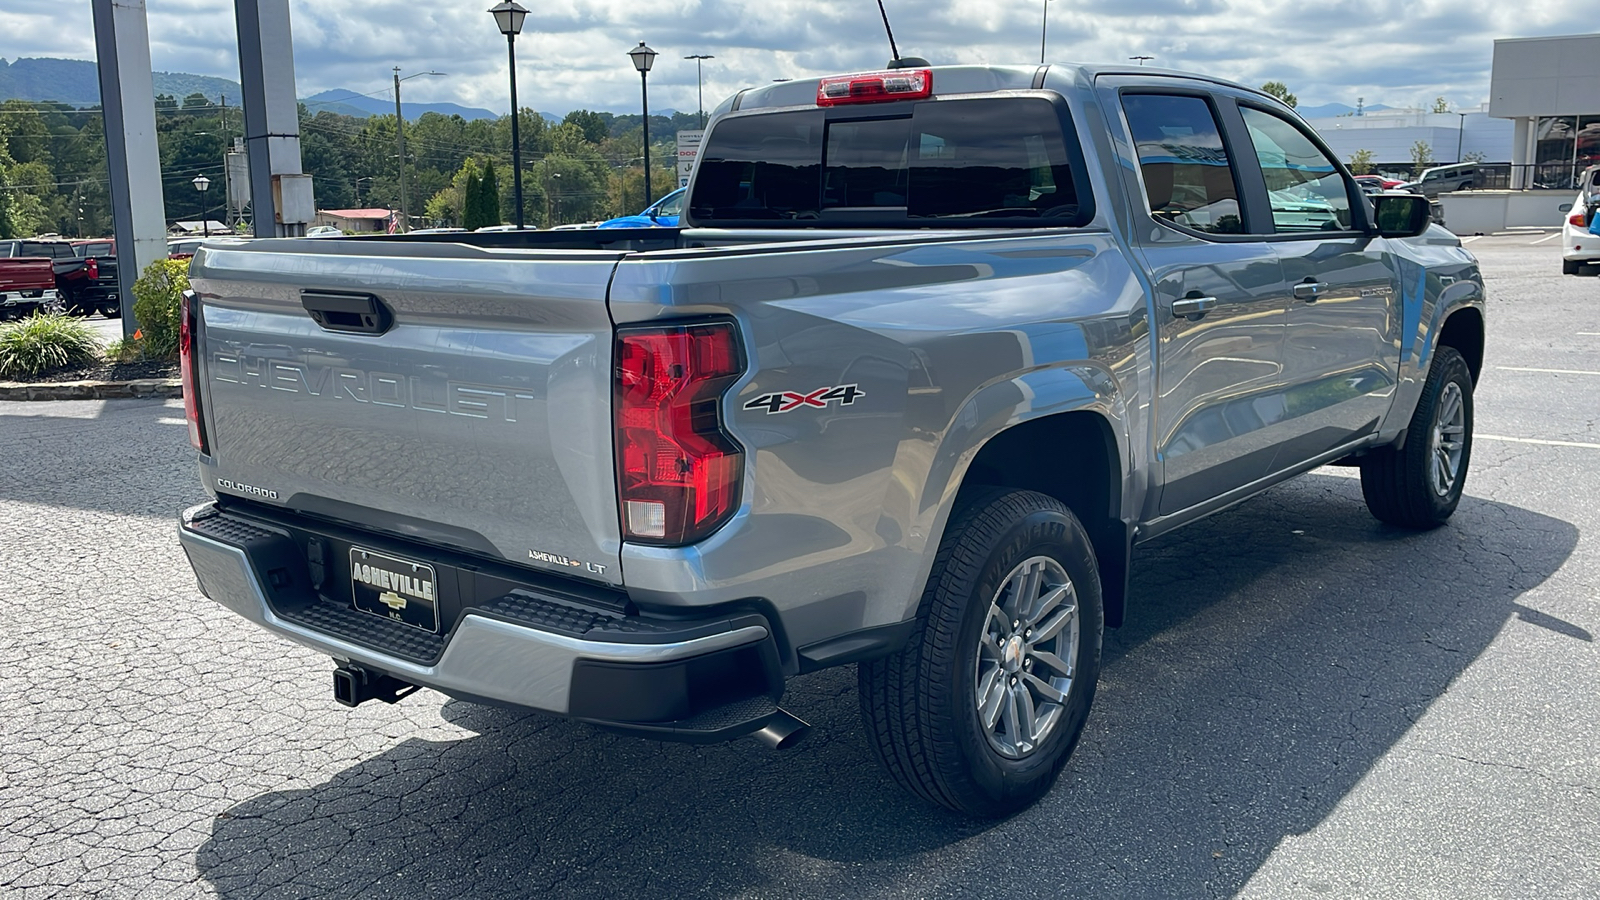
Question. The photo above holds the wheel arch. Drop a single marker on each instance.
(1463, 330)
(1075, 457)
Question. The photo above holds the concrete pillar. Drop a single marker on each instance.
(1522, 152)
(281, 199)
(133, 160)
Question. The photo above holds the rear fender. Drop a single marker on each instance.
(1003, 405)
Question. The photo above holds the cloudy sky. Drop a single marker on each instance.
(571, 53)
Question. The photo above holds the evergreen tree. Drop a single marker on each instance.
(489, 191)
(472, 203)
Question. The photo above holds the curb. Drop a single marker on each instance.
(93, 390)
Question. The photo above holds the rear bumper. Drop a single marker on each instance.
(27, 298)
(701, 680)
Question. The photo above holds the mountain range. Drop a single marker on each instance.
(77, 82)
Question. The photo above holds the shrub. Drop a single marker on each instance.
(42, 342)
(155, 306)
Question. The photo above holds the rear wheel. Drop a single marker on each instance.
(1419, 485)
(987, 701)
(111, 309)
(1571, 266)
(55, 306)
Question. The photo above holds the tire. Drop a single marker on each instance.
(1419, 485)
(111, 309)
(58, 306)
(1571, 266)
(921, 706)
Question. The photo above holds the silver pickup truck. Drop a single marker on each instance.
(931, 352)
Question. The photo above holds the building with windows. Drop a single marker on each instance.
(354, 221)
(1549, 88)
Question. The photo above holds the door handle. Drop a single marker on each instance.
(1310, 291)
(1193, 308)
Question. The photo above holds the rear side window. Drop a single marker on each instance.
(1188, 177)
(989, 159)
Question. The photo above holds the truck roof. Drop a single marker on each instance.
(963, 80)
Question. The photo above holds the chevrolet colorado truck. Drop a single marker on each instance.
(930, 352)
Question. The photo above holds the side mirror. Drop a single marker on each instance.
(1401, 215)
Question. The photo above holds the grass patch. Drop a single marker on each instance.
(42, 342)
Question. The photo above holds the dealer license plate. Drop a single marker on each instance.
(395, 588)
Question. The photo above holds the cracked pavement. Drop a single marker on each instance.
(1304, 704)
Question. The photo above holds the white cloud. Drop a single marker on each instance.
(572, 52)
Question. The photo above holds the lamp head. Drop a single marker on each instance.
(509, 15)
(643, 57)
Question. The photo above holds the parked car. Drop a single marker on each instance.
(1580, 246)
(323, 231)
(663, 213)
(82, 285)
(27, 283)
(100, 292)
(1379, 182)
(1442, 180)
(913, 379)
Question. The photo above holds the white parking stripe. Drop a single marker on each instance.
(1468, 240)
(1517, 440)
(1550, 238)
(1546, 371)
(1589, 334)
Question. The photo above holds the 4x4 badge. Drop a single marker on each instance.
(788, 401)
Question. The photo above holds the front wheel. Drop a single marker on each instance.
(986, 702)
(1419, 485)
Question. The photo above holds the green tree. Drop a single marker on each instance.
(1441, 105)
(1281, 91)
(1361, 162)
(472, 202)
(1421, 155)
(596, 126)
(489, 196)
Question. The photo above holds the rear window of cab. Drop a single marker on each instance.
(934, 163)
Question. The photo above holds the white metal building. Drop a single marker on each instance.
(1390, 134)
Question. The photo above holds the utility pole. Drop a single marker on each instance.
(400, 150)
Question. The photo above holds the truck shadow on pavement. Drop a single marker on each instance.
(1275, 653)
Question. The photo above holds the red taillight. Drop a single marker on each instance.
(677, 471)
(1577, 219)
(876, 87)
(92, 268)
(188, 316)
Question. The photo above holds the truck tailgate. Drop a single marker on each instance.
(26, 274)
(479, 419)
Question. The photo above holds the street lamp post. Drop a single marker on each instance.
(643, 58)
(201, 183)
(700, 83)
(1461, 133)
(508, 16)
(400, 141)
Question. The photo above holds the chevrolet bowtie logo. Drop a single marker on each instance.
(392, 600)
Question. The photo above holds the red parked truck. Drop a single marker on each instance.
(27, 283)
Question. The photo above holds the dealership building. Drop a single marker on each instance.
(1549, 88)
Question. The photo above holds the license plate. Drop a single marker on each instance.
(395, 588)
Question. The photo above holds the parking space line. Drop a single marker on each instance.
(1540, 441)
(1543, 239)
(1468, 240)
(1589, 334)
(1546, 371)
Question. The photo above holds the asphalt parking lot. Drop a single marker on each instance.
(1305, 704)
